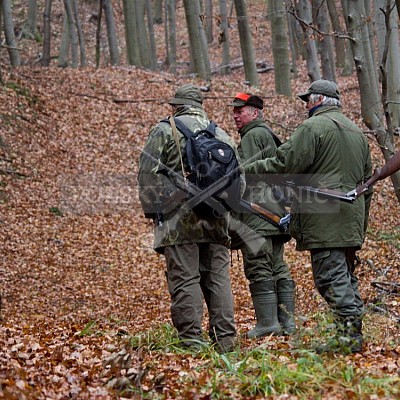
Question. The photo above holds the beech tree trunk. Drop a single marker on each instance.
(197, 39)
(246, 43)
(46, 34)
(371, 105)
(280, 47)
(325, 46)
(223, 38)
(111, 32)
(304, 12)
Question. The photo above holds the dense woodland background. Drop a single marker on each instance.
(79, 281)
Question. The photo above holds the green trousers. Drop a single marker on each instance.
(196, 272)
(264, 261)
(333, 272)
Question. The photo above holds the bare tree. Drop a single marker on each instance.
(280, 46)
(152, 43)
(111, 32)
(13, 51)
(46, 34)
(29, 29)
(131, 37)
(371, 106)
(325, 46)
(197, 38)
(303, 13)
(170, 34)
(158, 11)
(208, 13)
(73, 38)
(223, 38)
(246, 43)
(388, 56)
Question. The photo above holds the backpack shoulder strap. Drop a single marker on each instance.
(210, 129)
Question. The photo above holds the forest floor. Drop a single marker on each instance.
(78, 275)
(79, 281)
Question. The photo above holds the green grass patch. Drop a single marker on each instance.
(273, 368)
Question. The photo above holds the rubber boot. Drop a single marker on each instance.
(349, 338)
(285, 289)
(266, 308)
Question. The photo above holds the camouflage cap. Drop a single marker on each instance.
(321, 86)
(247, 99)
(187, 94)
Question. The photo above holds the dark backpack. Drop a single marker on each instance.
(208, 160)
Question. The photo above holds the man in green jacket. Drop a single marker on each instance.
(328, 151)
(196, 248)
(261, 243)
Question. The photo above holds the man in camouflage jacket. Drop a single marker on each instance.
(196, 248)
(261, 243)
(328, 151)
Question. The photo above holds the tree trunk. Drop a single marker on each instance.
(293, 43)
(170, 34)
(340, 49)
(197, 39)
(72, 34)
(158, 11)
(223, 38)
(13, 52)
(141, 32)
(304, 12)
(29, 30)
(64, 45)
(209, 20)
(46, 34)
(98, 33)
(152, 48)
(280, 47)
(246, 43)
(111, 32)
(132, 44)
(325, 47)
(388, 46)
(348, 62)
(79, 30)
(371, 106)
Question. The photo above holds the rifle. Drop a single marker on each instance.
(206, 196)
(392, 166)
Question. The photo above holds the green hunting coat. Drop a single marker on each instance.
(160, 174)
(257, 143)
(326, 151)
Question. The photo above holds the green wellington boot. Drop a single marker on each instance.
(266, 308)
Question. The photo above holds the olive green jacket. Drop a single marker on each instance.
(160, 174)
(257, 143)
(328, 151)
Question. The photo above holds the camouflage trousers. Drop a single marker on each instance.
(333, 272)
(198, 271)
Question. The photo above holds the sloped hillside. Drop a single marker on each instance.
(77, 269)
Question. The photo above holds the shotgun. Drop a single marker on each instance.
(392, 166)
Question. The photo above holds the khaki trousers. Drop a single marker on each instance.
(196, 271)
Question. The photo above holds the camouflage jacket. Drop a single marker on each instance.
(160, 175)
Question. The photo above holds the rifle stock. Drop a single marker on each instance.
(392, 166)
(276, 220)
